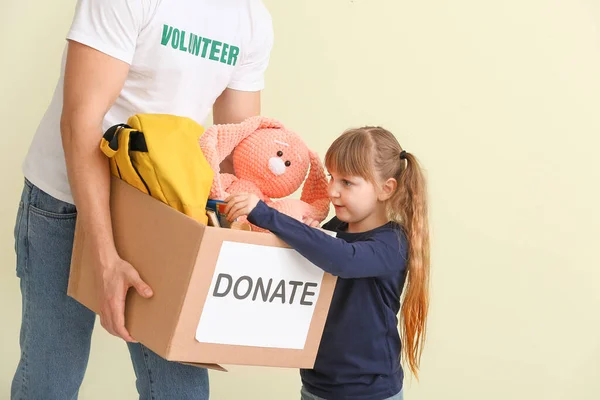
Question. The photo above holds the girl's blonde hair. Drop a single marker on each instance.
(374, 154)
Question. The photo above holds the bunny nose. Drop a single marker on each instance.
(276, 165)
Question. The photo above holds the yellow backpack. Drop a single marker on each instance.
(159, 154)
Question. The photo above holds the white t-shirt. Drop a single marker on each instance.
(182, 53)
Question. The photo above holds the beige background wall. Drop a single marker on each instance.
(499, 99)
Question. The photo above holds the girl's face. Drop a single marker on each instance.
(357, 202)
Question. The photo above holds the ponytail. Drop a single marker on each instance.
(410, 206)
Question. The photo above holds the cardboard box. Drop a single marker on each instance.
(221, 296)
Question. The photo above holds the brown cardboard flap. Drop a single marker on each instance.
(215, 367)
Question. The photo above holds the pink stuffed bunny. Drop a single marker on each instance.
(269, 161)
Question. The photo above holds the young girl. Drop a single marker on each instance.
(382, 242)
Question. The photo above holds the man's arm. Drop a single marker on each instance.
(93, 80)
(232, 107)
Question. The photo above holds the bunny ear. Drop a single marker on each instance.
(314, 191)
(266, 123)
(220, 140)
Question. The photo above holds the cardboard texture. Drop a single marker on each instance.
(177, 257)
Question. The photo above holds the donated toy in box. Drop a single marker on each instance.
(215, 210)
(221, 296)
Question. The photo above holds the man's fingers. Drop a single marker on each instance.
(124, 334)
(107, 324)
(140, 286)
(116, 282)
(118, 317)
(119, 327)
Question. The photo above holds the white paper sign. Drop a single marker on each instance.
(260, 296)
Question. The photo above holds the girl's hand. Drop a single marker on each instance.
(313, 223)
(240, 204)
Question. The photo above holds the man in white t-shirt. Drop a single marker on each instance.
(182, 57)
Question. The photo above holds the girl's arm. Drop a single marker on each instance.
(378, 255)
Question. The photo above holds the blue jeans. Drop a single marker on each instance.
(56, 330)
(304, 395)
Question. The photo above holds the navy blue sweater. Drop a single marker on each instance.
(358, 357)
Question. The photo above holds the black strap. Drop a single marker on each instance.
(112, 135)
(137, 142)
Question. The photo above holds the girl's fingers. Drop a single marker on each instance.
(234, 199)
(231, 201)
(237, 210)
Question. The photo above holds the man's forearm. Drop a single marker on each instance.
(89, 177)
(233, 107)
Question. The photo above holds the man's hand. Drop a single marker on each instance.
(240, 204)
(116, 279)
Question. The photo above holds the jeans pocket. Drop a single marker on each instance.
(52, 214)
(45, 233)
(44, 205)
(21, 239)
(17, 228)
